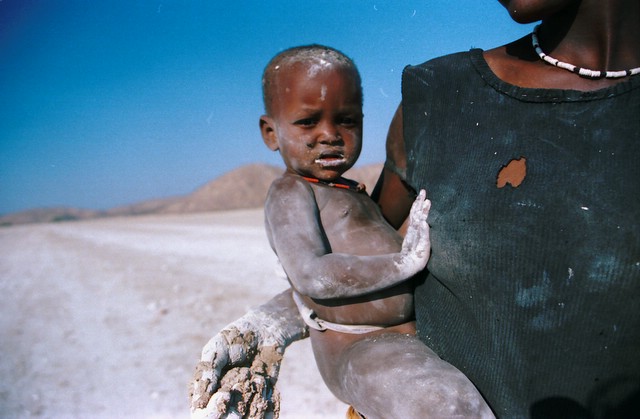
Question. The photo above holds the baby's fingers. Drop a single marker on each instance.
(206, 380)
(420, 208)
(229, 348)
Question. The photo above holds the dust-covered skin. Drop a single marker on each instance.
(394, 387)
(240, 364)
(371, 371)
(242, 393)
(334, 244)
(348, 264)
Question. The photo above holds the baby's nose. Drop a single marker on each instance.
(329, 135)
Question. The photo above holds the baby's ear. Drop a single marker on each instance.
(268, 131)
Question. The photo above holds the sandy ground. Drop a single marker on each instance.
(106, 318)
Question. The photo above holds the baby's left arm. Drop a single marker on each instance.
(299, 241)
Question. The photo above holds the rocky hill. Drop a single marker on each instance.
(245, 187)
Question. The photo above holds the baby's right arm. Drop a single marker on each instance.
(297, 236)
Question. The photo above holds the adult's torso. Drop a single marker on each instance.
(533, 286)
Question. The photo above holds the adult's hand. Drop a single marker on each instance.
(239, 366)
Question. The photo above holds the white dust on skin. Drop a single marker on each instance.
(330, 162)
(317, 66)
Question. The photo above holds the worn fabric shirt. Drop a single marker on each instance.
(533, 286)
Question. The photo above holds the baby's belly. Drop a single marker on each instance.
(387, 308)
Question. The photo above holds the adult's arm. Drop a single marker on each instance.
(392, 193)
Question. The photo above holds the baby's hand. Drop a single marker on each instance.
(416, 246)
(239, 366)
(240, 390)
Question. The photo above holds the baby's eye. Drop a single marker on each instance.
(306, 122)
(349, 121)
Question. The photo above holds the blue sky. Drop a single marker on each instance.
(105, 103)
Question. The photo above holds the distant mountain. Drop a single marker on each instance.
(245, 187)
(46, 215)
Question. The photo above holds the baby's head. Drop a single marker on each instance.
(315, 57)
(313, 103)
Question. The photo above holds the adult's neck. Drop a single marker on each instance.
(594, 34)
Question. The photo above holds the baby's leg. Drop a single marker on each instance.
(397, 376)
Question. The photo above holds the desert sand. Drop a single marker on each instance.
(106, 318)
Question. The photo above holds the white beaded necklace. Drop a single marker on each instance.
(585, 72)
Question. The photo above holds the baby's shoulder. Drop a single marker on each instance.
(287, 190)
(289, 184)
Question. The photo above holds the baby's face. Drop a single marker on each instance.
(317, 118)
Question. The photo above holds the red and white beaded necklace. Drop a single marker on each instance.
(340, 183)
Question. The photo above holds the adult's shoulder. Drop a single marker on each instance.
(444, 73)
(446, 62)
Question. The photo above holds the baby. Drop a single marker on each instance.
(350, 271)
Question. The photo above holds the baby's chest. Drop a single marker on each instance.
(356, 226)
(346, 209)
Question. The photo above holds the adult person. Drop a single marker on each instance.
(532, 170)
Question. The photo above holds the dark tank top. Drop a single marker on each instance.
(533, 288)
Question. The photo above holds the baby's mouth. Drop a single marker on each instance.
(330, 159)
